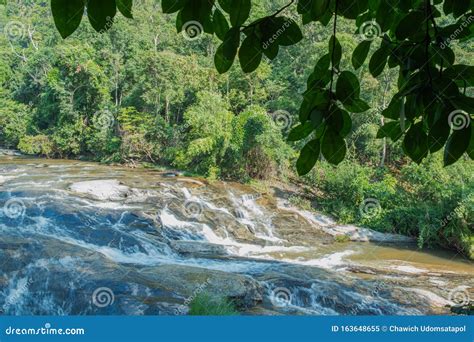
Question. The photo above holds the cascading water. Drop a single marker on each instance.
(69, 230)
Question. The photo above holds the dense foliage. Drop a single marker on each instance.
(431, 96)
(140, 93)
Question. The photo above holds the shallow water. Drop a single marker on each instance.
(60, 244)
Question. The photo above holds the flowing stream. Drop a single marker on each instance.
(84, 238)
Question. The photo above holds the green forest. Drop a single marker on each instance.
(141, 94)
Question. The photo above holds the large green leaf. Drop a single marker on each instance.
(250, 53)
(300, 132)
(457, 144)
(125, 7)
(287, 30)
(231, 43)
(347, 87)
(335, 51)
(415, 143)
(221, 62)
(308, 157)
(239, 12)
(391, 130)
(101, 14)
(438, 134)
(377, 62)
(360, 54)
(333, 147)
(221, 26)
(67, 15)
(409, 25)
(171, 6)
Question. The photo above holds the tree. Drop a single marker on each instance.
(430, 109)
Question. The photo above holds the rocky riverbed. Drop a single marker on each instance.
(83, 238)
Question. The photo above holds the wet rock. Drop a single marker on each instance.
(102, 189)
(111, 190)
(366, 235)
(188, 281)
(198, 248)
(11, 153)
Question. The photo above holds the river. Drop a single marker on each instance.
(80, 238)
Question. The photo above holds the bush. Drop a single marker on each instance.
(15, 119)
(69, 139)
(36, 145)
(257, 148)
(209, 122)
(205, 304)
(429, 202)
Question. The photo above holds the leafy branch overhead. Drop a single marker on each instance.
(431, 110)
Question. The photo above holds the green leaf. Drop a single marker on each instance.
(470, 148)
(461, 73)
(287, 30)
(67, 15)
(239, 11)
(356, 106)
(333, 147)
(335, 46)
(101, 14)
(347, 87)
(221, 26)
(457, 144)
(456, 7)
(231, 43)
(171, 6)
(125, 7)
(393, 110)
(339, 121)
(300, 132)
(391, 130)
(319, 8)
(221, 62)
(463, 102)
(415, 143)
(308, 157)
(250, 53)
(377, 62)
(438, 135)
(316, 117)
(304, 6)
(360, 54)
(409, 25)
